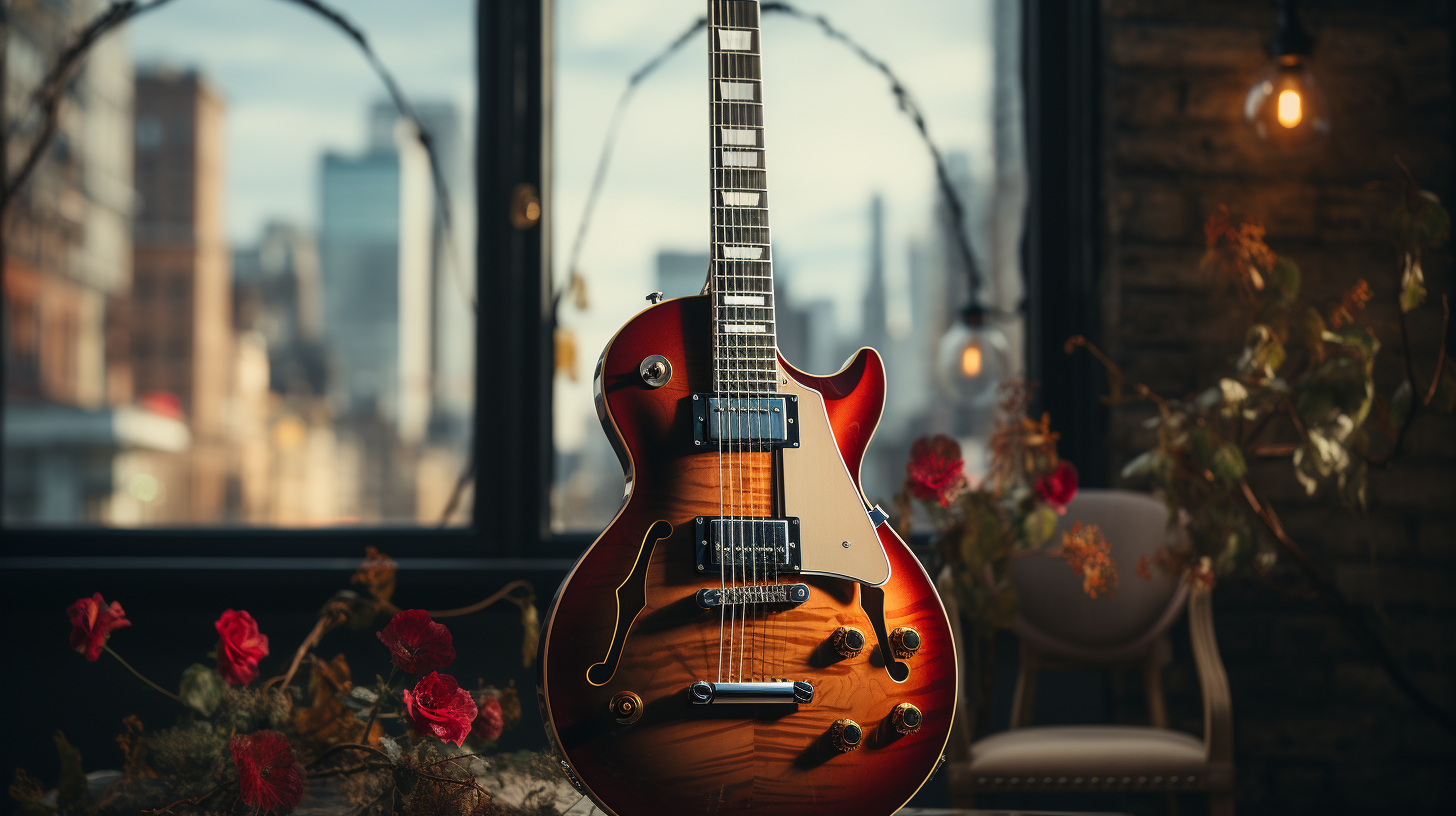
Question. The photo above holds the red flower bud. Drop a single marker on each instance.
(269, 778)
(936, 470)
(440, 708)
(240, 648)
(490, 721)
(416, 643)
(92, 622)
(1058, 487)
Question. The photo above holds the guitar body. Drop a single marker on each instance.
(626, 619)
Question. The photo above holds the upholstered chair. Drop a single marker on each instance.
(1059, 627)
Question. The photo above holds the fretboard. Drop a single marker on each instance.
(741, 275)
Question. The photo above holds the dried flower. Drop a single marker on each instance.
(1201, 573)
(439, 707)
(92, 622)
(1236, 251)
(1144, 568)
(269, 778)
(490, 720)
(936, 470)
(376, 574)
(1058, 487)
(1353, 301)
(1089, 555)
(417, 644)
(240, 647)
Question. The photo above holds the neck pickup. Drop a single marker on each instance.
(745, 423)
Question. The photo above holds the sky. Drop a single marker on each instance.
(296, 87)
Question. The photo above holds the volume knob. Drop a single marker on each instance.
(846, 735)
(906, 718)
(904, 641)
(847, 641)
(626, 707)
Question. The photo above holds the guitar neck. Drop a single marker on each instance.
(741, 273)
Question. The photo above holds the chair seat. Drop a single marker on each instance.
(1083, 757)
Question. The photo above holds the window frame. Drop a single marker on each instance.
(511, 446)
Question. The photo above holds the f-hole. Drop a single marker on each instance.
(872, 601)
(631, 598)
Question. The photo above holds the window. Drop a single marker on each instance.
(861, 241)
(253, 257)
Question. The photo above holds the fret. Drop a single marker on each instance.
(738, 114)
(743, 13)
(735, 66)
(734, 217)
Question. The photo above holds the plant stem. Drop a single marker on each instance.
(138, 674)
(374, 712)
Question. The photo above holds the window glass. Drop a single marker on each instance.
(231, 298)
(861, 242)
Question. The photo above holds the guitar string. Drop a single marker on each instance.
(741, 524)
(711, 545)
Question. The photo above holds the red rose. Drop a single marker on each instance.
(240, 648)
(92, 622)
(1058, 487)
(416, 643)
(268, 776)
(439, 707)
(936, 469)
(490, 722)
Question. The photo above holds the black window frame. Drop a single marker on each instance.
(512, 445)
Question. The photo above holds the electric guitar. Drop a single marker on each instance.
(748, 635)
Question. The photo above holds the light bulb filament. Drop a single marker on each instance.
(971, 360)
(1289, 112)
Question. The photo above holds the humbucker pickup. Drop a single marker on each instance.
(760, 422)
(759, 545)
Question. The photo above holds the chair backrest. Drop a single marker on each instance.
(1058, 618)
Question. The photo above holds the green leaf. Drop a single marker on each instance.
(1039, 527)
(201, 689)
(1310, 329)
(1412, 284)
(1228, 464)
(71, 791)
(1263, 353)
(1285, 276)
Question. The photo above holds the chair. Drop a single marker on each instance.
(1060, 627)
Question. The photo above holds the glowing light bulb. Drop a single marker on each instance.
(971, 359)
(1289, 109)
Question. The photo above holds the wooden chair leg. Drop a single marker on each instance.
(1023, 702)
(1220, 804)
(1172, 800)
(1153, 683)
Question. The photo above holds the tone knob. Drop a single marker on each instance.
(906, 718)
(847, 641)
(846, 735)
(626, 707)
(904, 641)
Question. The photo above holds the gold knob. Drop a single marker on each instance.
(626, 707)
(906, 718)
(847, 641)
(846, 735)
(904, 641)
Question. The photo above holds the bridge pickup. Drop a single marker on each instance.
(757, 545)
(714, 597)
(789, 692)
(762, 422)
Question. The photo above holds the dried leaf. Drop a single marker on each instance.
(565, 352)
(1039, 527)
(530, 633)
(1412, 284)
(1353, 301)
(27, 792)
(72, 791)
(201, 689)
(376, 574)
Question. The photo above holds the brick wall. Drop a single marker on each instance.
(1318, 726)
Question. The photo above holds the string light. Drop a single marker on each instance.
(973, 360)
(1286, 106)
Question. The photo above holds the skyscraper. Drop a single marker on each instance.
(182, 337)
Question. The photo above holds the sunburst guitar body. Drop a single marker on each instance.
(748, 636)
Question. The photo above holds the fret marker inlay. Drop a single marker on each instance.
(745, 253)
(731, 40)
(743, 300)
(740, 199)
(740, 158)
(736, 91)
(744, 328)
(732, 136)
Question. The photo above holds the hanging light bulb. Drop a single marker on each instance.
(1286, 106)
(973, 360)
